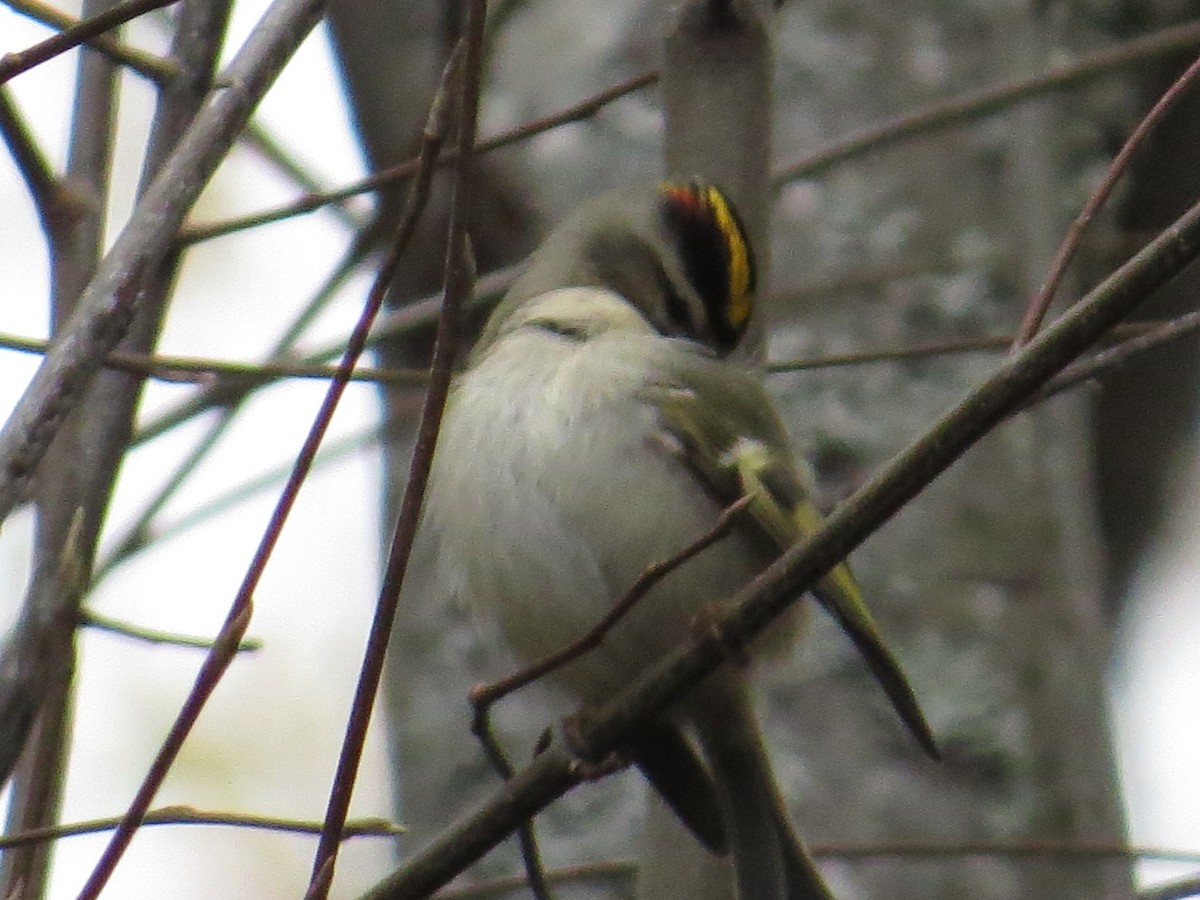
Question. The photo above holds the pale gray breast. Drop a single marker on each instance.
(561, 492)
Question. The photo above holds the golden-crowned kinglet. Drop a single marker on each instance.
(599, 428)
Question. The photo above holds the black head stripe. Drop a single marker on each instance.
(716, 256)
(678, 311)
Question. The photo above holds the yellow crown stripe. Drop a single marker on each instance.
(741, 299)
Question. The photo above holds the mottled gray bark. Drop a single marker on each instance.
(990, 583)
(718, 63)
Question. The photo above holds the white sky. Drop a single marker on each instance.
(268, 740)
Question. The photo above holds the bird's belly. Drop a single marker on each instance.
(548, 545)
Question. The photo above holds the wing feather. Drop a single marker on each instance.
(736, 450)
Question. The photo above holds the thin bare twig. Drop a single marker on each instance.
(263, 142)
(1030, 847)
(96, 621)
(249, 376)
(44, 186)
(1142, 337)
(1137, 338)
(983, 344)
(531, 859)
(136, 536)
(467, 64)
(392, 324)
(188, 815)
(1039, 304)
(12, 64)
(942, 115)
(1112, 358)
(485, 696)
(322, 877)
(576, 113)
(988, 101)
(193, 369)
(215, 506)
(260, 139)
(229, 394)
(156, 68)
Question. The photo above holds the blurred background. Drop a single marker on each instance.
(1088, 505)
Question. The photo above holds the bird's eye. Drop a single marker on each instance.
(716, 255)
(573, 331)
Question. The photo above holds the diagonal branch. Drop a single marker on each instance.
(153, 67)
(486, 696)
(44, 186)
(12, 64)
(169, 368)
(991, 100)
(575, 113)
(554, 772)
(98, 622)
(1039, 304)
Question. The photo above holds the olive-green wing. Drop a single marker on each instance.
(727, 433)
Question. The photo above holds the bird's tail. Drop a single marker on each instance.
(769, 860)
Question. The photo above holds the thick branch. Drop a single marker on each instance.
(554, 772)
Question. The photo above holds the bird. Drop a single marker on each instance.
(604, 420)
